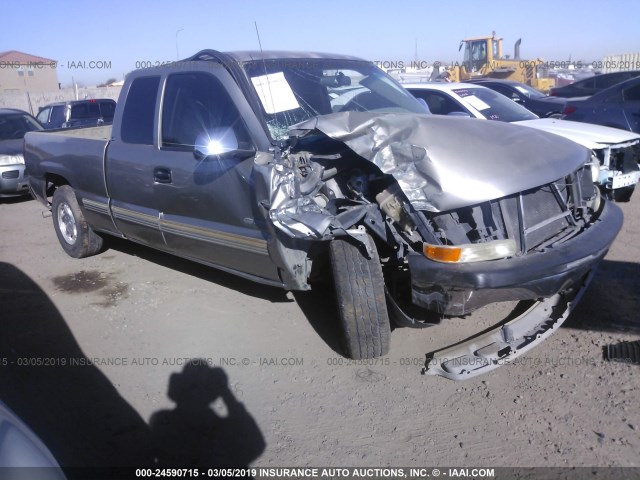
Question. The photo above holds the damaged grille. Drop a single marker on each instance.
(535, 219)
(623, 159)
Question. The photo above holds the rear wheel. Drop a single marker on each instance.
(74, 234)
(360, 295)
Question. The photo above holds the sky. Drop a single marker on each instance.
(97, 40)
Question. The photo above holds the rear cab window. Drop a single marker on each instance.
(85, 110)
(107, 110)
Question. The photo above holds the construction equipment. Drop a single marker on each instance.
(483, 58)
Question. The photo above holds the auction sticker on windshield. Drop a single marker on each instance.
(476, 103)
(275, 93)
(471, 99)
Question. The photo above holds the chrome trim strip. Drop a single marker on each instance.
(96, 206)
(226, 239)
(135, 217)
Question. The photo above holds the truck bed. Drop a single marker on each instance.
(74, 154)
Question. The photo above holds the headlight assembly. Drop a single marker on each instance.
(471, 252)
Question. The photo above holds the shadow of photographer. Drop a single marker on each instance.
(193, 434)
(82, 418)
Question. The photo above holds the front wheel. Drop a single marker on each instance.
(360, 295)
(74, 233)
(622, 194)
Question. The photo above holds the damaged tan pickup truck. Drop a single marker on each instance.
(282, 166)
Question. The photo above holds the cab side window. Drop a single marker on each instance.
(43, 116)
(57, 115)
(605, 81)
(196, 106)
(139, 111)
(107, 110)
(506, 92)
(438, 103)
(632, 94)
(584, 84)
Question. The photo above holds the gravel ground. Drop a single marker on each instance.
(271, 386)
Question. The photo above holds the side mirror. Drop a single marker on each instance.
(219, 142)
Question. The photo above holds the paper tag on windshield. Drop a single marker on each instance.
(476, 103)
(275, 93)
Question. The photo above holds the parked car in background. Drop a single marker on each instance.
(77, 113)
(22, 453)
(591, 85)
(533, 100)
(617, 152)
(14, 124)
(617, 106)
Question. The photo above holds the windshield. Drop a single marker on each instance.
(14, 126)
(295, 90)
(494, 105)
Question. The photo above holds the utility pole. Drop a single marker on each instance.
(177, 52)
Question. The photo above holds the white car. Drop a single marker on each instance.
(22, 453)
(618, 151)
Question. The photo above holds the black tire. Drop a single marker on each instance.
(362, 306)
(74, 234)
(623, 194)
(619, 194)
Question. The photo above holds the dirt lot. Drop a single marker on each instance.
(126, 321)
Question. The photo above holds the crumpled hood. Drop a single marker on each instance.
(586, 134)
(445, 163)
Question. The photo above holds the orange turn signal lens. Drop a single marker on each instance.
(471, 252)
(442, 254)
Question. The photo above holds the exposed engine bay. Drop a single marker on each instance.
(323, 189)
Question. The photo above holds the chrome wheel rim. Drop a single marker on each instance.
(67, 224)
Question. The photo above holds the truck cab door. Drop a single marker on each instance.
(206, 201)
(131, 163)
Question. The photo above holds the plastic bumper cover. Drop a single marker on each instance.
(505, 343)
(457, 289)
(13, 181)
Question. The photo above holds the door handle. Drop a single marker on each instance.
(161, 175)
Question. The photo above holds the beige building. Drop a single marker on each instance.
(21, 72)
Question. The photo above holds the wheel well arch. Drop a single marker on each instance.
(53, 181)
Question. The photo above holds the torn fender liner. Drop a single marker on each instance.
(446, 163)
(502, 345)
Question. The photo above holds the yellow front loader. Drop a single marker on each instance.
(483, 57)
